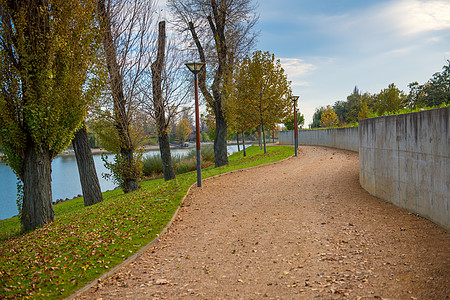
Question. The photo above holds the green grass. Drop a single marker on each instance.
(84, 242)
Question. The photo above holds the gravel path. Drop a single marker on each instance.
(299, 229)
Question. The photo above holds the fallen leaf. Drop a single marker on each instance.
(161, 281)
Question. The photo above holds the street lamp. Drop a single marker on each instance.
(195, 68)
(294, 99)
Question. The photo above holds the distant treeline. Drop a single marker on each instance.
(434, 93)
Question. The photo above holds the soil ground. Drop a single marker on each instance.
(299, 229)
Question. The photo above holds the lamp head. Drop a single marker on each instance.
(195, 67)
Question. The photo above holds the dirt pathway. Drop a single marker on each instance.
(298, 229)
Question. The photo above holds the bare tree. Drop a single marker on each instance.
(158, 105)
(126, 29)
(222, 32)
(167, 80)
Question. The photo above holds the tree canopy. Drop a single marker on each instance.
(48, 76)
(262, 90)
(329, 118)
(432, 93)
(289, 121)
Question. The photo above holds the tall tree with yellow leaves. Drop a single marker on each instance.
(183, 130)
(262, 90)
(329, 118)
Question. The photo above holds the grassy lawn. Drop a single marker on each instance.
(84, 242)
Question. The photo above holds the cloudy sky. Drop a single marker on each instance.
(329, 46)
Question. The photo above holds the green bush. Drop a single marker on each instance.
(208, 153)
(152, 164)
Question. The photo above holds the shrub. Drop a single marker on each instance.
(208, 153)
(152, 164)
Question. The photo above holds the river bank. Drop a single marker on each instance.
(65, 177)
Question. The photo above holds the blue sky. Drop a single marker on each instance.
(329, 46)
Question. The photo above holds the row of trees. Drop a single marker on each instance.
(68, 63)
(363, 105)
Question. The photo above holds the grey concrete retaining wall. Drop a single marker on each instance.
(342, 138)
(405, 160)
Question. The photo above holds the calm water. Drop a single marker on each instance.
(65, 180)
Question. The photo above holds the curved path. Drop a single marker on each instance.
(298, 229)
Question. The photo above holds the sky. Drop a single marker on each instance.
(327, 47)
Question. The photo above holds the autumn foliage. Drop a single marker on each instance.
(329, 118)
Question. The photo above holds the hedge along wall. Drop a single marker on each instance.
(405, 160)
(342, 138)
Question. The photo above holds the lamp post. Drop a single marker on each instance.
(294, 99)
(195, 68)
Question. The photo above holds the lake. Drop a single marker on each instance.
(65, 179)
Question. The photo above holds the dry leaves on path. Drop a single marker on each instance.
(301, 228)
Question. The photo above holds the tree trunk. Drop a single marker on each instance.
(130, 183)
(243, 142)
(215, 100)
(260, 142)
(37, 209)
(166, 158)
(120, 103)
(90, 186)
(237, 139)
(160, 115)
(264, 137)
(220, 141)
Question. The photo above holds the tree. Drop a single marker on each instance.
(289, 121)
(433, 93)
(183, 130)
(390, 100)
(47, 50)
(341, 108)
(317, 117)
(365, 112)
(329, 118)
(204, 136)
(126, 32)
(90, 185)
(159, 108)
(263, 90)
(222, 33)
(168, 82)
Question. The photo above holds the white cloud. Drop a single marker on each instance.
(398, 51)
(297, 68)
(415, 17)
(386, 23)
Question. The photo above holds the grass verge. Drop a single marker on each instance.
(84, 242)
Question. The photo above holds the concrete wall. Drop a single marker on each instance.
(342, 138)
(405, 160)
